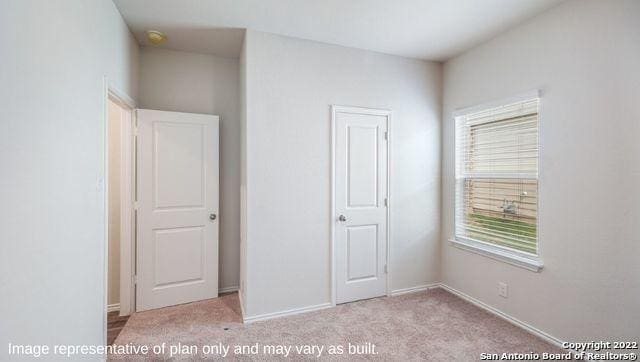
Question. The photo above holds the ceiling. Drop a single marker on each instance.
(425, 29)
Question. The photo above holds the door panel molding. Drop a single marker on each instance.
(381, 199)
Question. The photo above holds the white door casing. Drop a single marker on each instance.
(360, 202)
(178, 171)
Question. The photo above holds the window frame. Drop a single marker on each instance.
(532, 262)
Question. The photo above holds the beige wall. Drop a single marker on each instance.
(55, 55)
(200, 83)
(243, 172)
(290, 86)
(584, 57)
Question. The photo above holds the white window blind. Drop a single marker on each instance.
(497, 176)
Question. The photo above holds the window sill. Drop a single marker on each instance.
(529, 263)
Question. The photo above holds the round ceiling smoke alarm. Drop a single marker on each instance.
(155, 37)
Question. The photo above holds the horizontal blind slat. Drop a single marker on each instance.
(496, 176)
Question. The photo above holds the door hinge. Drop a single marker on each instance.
(386, 135)
(386, 270)
(386, 203)
(136, 205)
(135, 279)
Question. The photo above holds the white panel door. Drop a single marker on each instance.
(360, 238)
(177, 242)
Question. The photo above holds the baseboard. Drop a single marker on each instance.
(263, 317)
(529, 328)
(233, 288)
(419, 288)
(312, 308)
(113, 307)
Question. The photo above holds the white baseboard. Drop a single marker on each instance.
(419, 288)
(113, 307)
(233, 288)
(312, 308)
(263, 317)
(529, 328)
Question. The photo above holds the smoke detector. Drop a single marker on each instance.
(156, 37)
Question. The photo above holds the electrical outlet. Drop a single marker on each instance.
(503, 290)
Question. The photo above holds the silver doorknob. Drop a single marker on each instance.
(342, 218)
(212, 216)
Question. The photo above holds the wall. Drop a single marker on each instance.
(201, 83)
(243, 173)
(291, 85)
(113, 185)
(52, 133)
(584, 57)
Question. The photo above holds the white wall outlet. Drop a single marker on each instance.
(503, 290)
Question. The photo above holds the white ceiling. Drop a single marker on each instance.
(426, 29)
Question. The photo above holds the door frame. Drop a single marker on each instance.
(335, 109)
(127, 200)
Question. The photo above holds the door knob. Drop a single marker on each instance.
(342, 218)
(212, 216)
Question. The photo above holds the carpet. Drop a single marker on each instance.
(432, 325)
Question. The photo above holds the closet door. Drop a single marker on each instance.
(177, 236)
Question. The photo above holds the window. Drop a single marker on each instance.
(497, 179)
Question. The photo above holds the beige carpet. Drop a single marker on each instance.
(431, 325)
